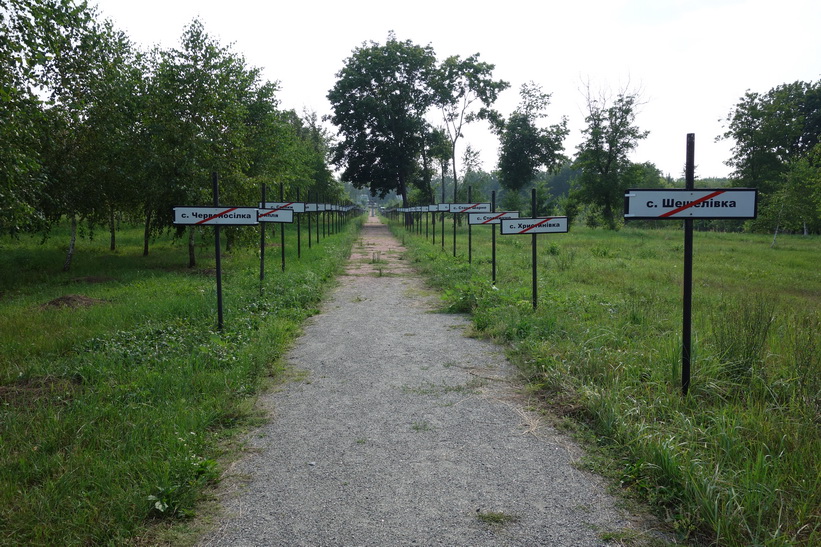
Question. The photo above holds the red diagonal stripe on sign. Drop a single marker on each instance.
(203, 221)
(692, 203)
(491, 219)
(471, 207)
(277, 209)
(535, 225)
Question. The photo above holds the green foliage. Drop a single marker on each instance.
(379, 101)
(97, 131)
(776, 136)
(525, 147)
(611, 134)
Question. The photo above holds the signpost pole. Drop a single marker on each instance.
(442, 218)
(282, 228)
(308, 216)
(215, 184)
(533, 247)
(262, 244)
(433, 222)
(470, 232)
(454, 219)
(493, 240)
(298, 231)
(686, 332)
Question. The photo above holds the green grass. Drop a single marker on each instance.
(112, 415)
(496, 518)
(738, 461)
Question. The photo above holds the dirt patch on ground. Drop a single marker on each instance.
(72, 301)
(377, 253)
(92, 279)
(33, 392)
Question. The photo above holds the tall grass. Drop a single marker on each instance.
(738, 461)
(111, 414)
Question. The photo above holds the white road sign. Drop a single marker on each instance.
(470, 207)
(699, 203)
(276, 215)
(295, 206)
(210, 216)
(548, 225)
(491, 218)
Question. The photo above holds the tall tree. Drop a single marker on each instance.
(379, 103)
(525, 147)
(86, 121)
(45, 56)
(466, 91)
(611, 134)
(771, 130)
(201, 94)
(775, 134)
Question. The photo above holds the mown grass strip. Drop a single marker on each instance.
(738, 462)
(111, 414)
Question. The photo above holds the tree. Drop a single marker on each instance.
(465, 93)
(86, 121)
(379, 103)
(44, 51)
(525, 147)
(611, 134)
(198, 124)
(774, 133)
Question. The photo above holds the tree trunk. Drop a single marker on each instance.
(147, 233)
(112, 228)
(192, 258)
(72, 242)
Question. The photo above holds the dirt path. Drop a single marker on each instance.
(399, 430)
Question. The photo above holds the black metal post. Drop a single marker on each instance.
(282, 227)
(470, 232)
(533, 247)
(298, 229)
(215, 184)
(686, 331)
(262, 244)
(433, 223)
(454, 219)
(493, 239)
(308, 216)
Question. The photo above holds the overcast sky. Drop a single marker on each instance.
(691, 60)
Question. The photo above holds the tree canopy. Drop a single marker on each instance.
(380, 104)
(526, 147)
(776, 137)
(603, 155)
(94, 129)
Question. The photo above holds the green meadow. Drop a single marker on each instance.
(737, 461)
(117, 390)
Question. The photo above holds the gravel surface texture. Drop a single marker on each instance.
(397, 429)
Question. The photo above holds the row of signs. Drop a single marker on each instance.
(639, 204)
(479, 214)
(244, 216)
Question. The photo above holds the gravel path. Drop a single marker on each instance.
(397, 429)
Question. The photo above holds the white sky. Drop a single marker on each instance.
(691, 59)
